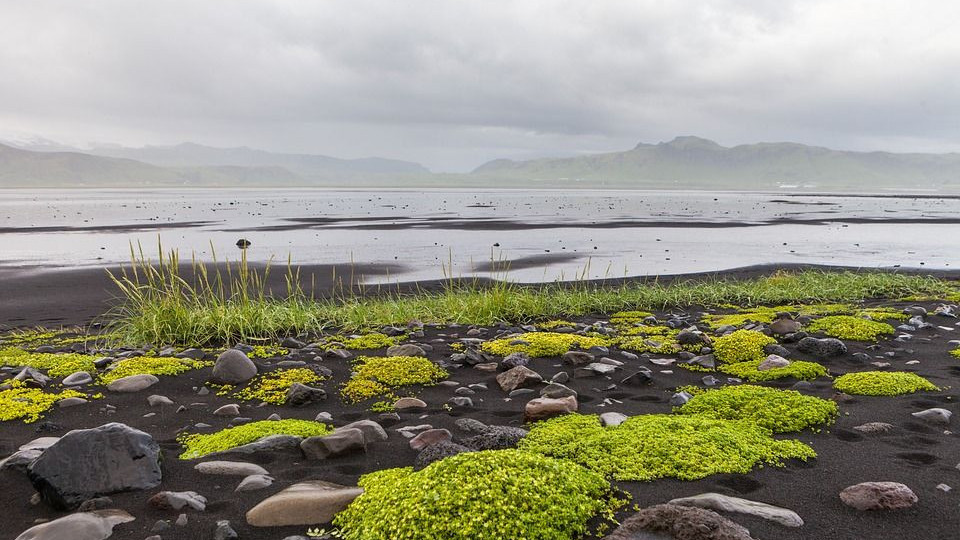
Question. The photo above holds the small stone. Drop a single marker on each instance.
(224, 531)
(255, 482)
(544, 407)
(406, 349)
(299, 395)
(233, 367)
(229, 468)
(181, 521)
(935, 415)
(577, 358)
(643, 376)
(177, 500)
(773, 361)
(556, 391)
(874, 427)
(680, 398)
(157, 401)
(78, 378)
(133, 383)
(878, 496)
(406, 403)
(822, 348)
(611, 419)
(228, 410)
(338, 443)
(518, 377)
(431, 436)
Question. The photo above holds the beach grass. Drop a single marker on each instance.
(223, 304)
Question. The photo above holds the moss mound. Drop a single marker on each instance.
(849, 327)
(800, 370)
(379, 375)
(477, 495)
(741, 346)
(30, 403)
(647, 447)
(272, 387)
(152, 365)
(541, 344)
(56, 365)
(267, 351)
(777, 410)
(882, 383)
(200, 444)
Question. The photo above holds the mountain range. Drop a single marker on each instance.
(684, 162)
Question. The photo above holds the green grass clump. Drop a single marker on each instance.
(151, 365)
(777, 410)
(272, 387)
(30, 403)
(199, 444)
(478, 495)
(850, 327)
(882, 383)
(56, 365)
(380, 375)
(741, 346)
(541, 344)
(647, 447)
(798, 369)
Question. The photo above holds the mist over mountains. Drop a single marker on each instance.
(682, 163)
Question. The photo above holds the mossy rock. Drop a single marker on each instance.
(777, 410)
(882, 383)
(200, 444)
(56, 365)
(542, 344)
(272, 387)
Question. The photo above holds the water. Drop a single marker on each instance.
(548, 234)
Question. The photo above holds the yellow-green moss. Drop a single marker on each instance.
(777, 410)
(883, 313)
(30, 403)
(272, 387)
(156, 365)
(266, 351)
(629, 318)
(199, 444)
(882, 383)
(541, 344)
(550, 325)
(741, 346)
(849, 327)
(767, 314)
(379, 375)
(955, 353)
(374, 340)
(799, 369)
(56, 365)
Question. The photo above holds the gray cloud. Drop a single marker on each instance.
(452, 84)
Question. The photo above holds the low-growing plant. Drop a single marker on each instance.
(272, 387)
(267, 351)
(56, 365)
(147, 365)
(542, 344)
(629, 318)
(200, 444)
(647, 447)
(741, 346)
(556, 323)
(478, 495)
(777, 410)
(798, 369)
(882, 383)
(380, 375)
(850, 327)
(20, 401)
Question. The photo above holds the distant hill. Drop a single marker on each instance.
(23, 168)
(700, 163)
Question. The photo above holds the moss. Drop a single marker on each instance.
(741, 346)
(777, 410)
(849, 327)
(477, 495)
(158, 365)
(649, 330)
(550, 325)
(541, 344)
(272, 387)
(56, 365)
(26, 337)
(691, 389)
(199, 444)
(883, 313)
(379, 375)
(647, 447)
(371, 341)
(955, 353)
(801, 370)
(766, 314)
(266, 351)
(30, 403)
(629, 318)
(882, 383)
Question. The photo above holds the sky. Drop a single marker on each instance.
(455, 83)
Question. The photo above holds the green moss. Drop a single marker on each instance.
(649, 330)
(629, 318)
(849, 327)
(266, 351)
(955, 353)
(272, 387)
(492, 494)
(882, 383)
(380, 375)
(647, 447)
(541, 344)
(883, 313)
(199, 444)
(157, 365)
(741, 346)
(28, 337)
(766, 314)
(777, 410)
(550, 325)
(56, 365)
(804, 371)
(371, 341)
(30, 403)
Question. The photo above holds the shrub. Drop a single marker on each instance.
(56, 365)
(882, 383)
(200, 444)
(378, 375)
(741, 346)
(477, 495)
(798, 369)
(540, 344)
(647, 447)
(777, 410)
(30, 403)
(152, 365)
(849, 327)
(272, 387)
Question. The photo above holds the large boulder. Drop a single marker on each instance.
(518, 377)
(233, 367)
(674, 522)
(878, 496)
(307, 503)
(96, 525)
(87, 463)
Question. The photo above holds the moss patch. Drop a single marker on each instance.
(56, 365)
(152, 365)
(30, 403)
(882, 383)
(200, 444)
(741, 346)
(801, 370)
(266, 351)
(541, 344)
(777, 410)
(489, 495)
(647, 447)
(849, 327)
(272, 387)
(629, 318)
(380, 375)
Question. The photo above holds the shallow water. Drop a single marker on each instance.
(547, 234)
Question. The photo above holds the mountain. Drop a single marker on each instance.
(693, 162)
(23, 168)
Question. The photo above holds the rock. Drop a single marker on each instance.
(782, 327)
(292, 343)
(32, 377)
(133, 383)
(405, 403)
(228, 410)
(822, 348)
(513, 360)
(674, 522)
(229, 468)
(270, 443)
(544, 407)
(339, 443)
(71, 402)
(157, 401)
(471, 425)
(562, 377)
(436, 452)
(642, 377)
(680, 398)
(495, 438)
(407, 349)
(577, 358)
(307, 503)
(717, 501)
(461, 401)
(600, 368)
(372, 431)
(224, 531)
(86, 463)
(874, 427)
(557, 391)
(176, 500)
(233, 367)
(299, 395)
(429, 437)
(610, 419)
(255, 482)
(518, 377)
(96, 503)
(878, 496)
(692, 337)
(915, 310)
(773, 361)
(96, 525)
(27, 453)
(78, 378)
(708, 361)
(935, 415)
(777, 349)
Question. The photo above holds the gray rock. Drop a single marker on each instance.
(71, 402)
(255, 482)
(773, 361)
(406, 349)
(708, 361)
(680, 398)
(495, 438)
(782, 327)
(32, 377)
(544, 407)
(518, 377)
(874, 427)
(233, 367)
(674, 522)
(299, 395)
(429, 437)
(471, 425)
(157, 401)
(229, 468)
(270, 443)
(224, 531)
(513, 360)
(27, 453)
(822, 348)
(405, 403)
(78, 378)
(577, 358)
(611, 419)
(557, 391)
(96, 525)
(726, 503)
(643, 376)
(338, 443)
(935, 415)
(436, 452)
(878, 496)
(372, 431)
(177, 500)
(306, 503)
(461, 401)
(133, 383)
(228, 410)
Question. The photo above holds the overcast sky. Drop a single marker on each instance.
(453, 83)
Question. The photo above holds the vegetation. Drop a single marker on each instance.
(272, 387)
(199, 444)
(882, 383)
(30, 403)
(266, 351)
(380, 375)
(56, 365)
(489, 494)
(798, 369)
(647, 447)
(541, 344)
(777, 410)
(741, 346)
(849, 327)
(152, 365)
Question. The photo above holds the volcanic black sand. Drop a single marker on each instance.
(915, 453)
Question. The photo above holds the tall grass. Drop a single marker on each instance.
(224, 303)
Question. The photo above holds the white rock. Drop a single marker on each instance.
(255, 482)
(96, 525)
(610, 419)
(307, 503)
(229, 468)
(717, 501)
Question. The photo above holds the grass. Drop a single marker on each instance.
(159, 305)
